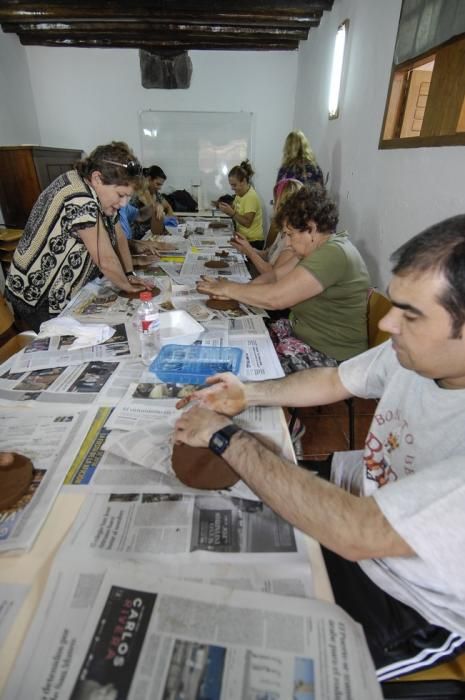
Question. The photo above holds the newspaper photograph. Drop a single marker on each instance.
(132, 635)
(51, 352)
(214, 526)
(73, 384)
(49, 440)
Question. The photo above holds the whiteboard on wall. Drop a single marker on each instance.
(196, 150)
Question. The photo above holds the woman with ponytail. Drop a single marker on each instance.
(246, 210)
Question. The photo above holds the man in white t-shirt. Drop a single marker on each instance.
(394, 552)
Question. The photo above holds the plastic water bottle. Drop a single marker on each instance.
(148, 324)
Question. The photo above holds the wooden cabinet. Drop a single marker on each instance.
(24, 172)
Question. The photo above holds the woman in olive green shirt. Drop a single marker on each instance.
(326, 292)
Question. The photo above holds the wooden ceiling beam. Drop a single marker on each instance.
(195, 24)
(175, 10)
(166, 44)
(118, 29)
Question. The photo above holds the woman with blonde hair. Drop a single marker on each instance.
(278, 253)
(299, 161)
(246, 210)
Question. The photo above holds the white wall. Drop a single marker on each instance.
(18, 119)
(385, 196)
(85, 97)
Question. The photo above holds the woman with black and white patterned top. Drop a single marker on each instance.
(72, 236)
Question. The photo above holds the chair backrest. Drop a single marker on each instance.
(377, 306)
(6, 316)
(10, 341)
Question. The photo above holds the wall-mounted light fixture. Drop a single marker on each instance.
(336, 70)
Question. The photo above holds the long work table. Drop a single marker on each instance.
(117, 580)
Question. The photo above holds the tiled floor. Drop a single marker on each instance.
(327, 427)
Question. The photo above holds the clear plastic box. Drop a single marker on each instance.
(192, 364)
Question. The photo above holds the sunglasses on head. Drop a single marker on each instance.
(132, 166)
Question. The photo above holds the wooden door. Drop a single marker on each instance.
(417, 96)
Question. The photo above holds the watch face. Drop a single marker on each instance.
(219, 443)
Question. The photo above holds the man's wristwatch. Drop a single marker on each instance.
(219, 441)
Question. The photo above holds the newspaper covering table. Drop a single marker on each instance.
(158, 590)
(125, 633)
(49, 439)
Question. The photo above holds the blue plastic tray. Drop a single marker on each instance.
(192, 364)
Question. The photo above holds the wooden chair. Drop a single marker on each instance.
(443, 682)
(10, 340)
(378, 306)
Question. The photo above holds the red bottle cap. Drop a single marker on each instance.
(146, 296)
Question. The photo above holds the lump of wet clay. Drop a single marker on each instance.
(217, 264)
(15, 478)
(222, 304)
(200, 468)
(135, 295)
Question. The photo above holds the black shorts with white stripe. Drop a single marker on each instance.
(400, 640)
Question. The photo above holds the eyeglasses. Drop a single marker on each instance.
(291, 234)
(132, 166)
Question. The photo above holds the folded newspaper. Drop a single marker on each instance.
(123, 633)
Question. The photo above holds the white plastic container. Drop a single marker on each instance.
(179, 328)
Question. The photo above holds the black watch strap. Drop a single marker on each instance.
(219, 441)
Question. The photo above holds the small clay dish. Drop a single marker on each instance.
(222, 304)
(16, 472)
(217, 264)
(200, 468)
